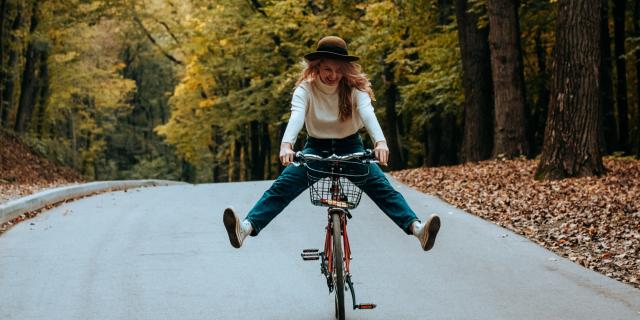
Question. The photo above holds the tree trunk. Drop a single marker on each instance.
(43, 92)
(636, 32)
(266, 151)
(510, 137)
(74, 138)
(245, 161)
(283, 127)
(540, 116)
(609, 133)
(25, 106)
(448, 140)
(219, 167)
(188, 171)
(434, 131)
(621, 74)
(571, 138)
(3, 13)
(256, 159)
(9, 76)
(27, 89)
(476, 65)
(235, 166)
(391, 118)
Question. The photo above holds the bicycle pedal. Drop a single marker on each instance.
(366, 306)
(310, 250)
(310, 256)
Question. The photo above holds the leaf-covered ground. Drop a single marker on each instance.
(24, 172)
(593, 221)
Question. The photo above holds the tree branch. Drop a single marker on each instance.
(155, 43)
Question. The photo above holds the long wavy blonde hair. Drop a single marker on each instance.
(352, 77)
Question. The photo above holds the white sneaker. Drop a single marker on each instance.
(236, 230)
(427, 232)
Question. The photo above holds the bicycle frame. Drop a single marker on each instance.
(337, 273)
(328, 242)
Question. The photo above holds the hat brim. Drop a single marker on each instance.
(329, 55)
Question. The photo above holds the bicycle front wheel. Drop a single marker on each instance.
(338, 265)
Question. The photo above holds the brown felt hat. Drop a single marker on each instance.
(331, 47)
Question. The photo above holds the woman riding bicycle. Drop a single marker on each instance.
(332, 100)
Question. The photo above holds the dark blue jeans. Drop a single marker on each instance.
(293, 181)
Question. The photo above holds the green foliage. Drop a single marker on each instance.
(136, 87)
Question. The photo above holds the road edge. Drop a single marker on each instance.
(15, 208)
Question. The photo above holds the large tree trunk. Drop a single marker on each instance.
(609, 133)
(510, 137)
(571, 137)
(3, 14)
(391, 118)
(636, 32)
(621, 74)
(9, 76)
(28, 86)
(478, 104)
(539, 117)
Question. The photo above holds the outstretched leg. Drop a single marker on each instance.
(393, 204)
(287, 187)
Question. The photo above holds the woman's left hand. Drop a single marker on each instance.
(382, 152)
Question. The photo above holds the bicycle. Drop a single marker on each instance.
(335, 182)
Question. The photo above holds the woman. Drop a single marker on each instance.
(333, 100)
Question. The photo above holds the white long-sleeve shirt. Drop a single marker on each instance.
(315, 105)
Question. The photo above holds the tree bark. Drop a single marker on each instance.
(391, 118)
(3, 14)
(609, 133)
(43, 92)
(571, 138)
(539, 117)
(478, 105)
(9, 77)
(510, 137)
(636, 32)
(27, 89)
(621, 74)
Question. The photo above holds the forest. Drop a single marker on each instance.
(200, 91)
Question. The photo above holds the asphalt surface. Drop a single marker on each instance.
(163, 253)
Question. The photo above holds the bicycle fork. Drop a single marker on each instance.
(326, 258)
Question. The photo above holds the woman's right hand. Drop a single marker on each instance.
(287, 154)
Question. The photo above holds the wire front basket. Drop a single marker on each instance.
(336, 183)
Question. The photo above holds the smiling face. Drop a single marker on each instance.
(330, 73)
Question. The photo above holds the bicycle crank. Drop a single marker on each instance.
(362, 306)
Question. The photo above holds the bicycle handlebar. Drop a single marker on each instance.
(366, 156)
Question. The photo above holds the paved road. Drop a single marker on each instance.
(162, 253)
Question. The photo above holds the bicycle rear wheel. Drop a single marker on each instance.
(338, 265)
